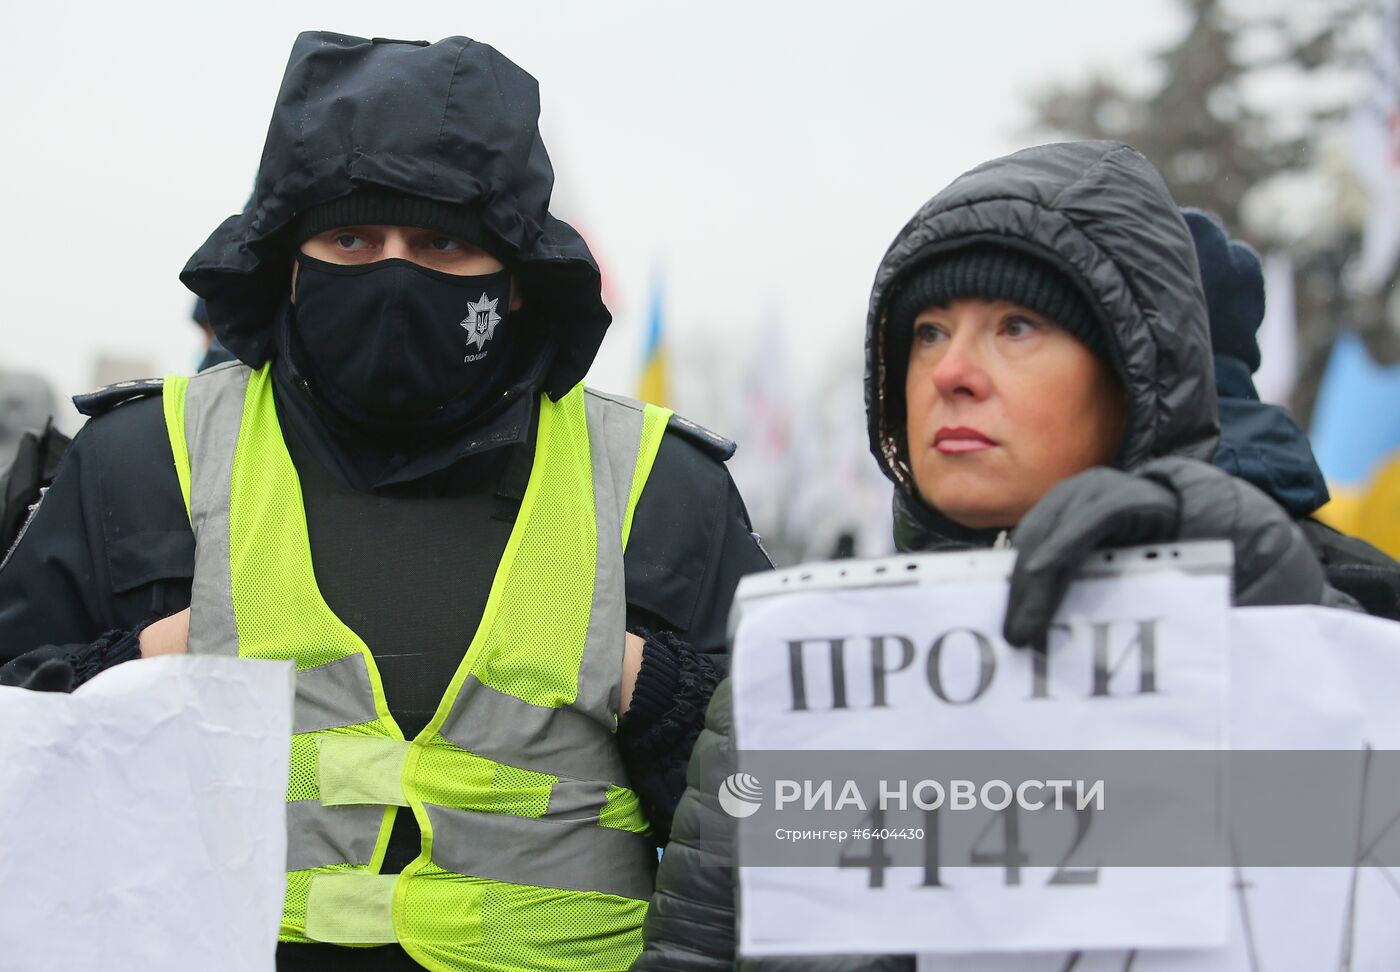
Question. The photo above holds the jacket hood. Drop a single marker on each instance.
(1261, 444)
(1101, 214)
(455, 122)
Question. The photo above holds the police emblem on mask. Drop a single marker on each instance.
(480, 322)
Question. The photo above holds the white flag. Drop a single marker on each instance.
(1375, 149)
(1278, 334)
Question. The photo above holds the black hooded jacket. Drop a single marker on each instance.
(1100, 213)
(455, 122)
(405, 536)
(1261, 444)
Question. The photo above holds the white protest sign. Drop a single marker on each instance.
(912, 659)
(1302, 678)
(144, 818)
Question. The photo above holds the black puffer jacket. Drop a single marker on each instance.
(690, 926)
(1100, 213)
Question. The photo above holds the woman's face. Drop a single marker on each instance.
(1002, 405)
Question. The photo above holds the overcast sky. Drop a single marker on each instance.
(758, 155)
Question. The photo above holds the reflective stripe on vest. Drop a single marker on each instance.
(534, 852)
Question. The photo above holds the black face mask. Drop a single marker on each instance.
(392, 345)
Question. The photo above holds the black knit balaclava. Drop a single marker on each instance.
(380, 207)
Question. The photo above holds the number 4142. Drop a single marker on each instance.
(1003, 828)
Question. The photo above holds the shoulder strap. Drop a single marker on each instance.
(104, 399)
(713, 444)
(630, 443)
(204, 410)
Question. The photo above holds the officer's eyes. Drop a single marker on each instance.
(349, 241)
(445, 244)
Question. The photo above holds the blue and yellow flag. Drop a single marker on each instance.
(1356, 437)
(655, 383)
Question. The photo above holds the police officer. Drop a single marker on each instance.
(504, 593)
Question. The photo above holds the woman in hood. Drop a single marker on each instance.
(1038, 373)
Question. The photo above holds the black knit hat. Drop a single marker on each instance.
(1233, 280)
(381, 207)
(991, 272)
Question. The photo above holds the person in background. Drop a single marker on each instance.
(28, 437)
(30, 450)
(26, 405)
(1038, 374)
(214, 352)
(1260, 442)
(505, 594)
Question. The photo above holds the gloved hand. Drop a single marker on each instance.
(62, 668)
(1163, 500)
(54, 675)
(45, 675)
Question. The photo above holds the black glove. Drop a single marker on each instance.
(658, 732)
(39, 675)
(1161, 501)
(62, 668)
(54, 675)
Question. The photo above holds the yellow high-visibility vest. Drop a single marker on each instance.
(534, 851)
